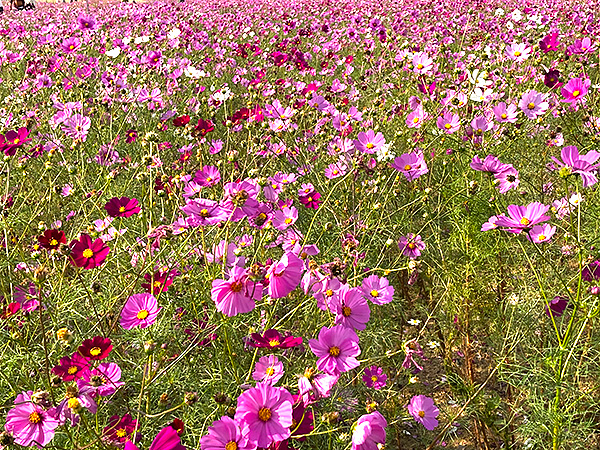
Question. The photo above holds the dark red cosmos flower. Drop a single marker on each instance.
(272, 339)
(552, 79)
(10, 142)
(311, 200)
(181, 121)
(178, 426)
(131, 136)
(120, 429)
(51, 239)
(72, 368)
(204, 127)
(9, 310)
(122, 207)
(158, 282)
(88, 254)
(96, 348)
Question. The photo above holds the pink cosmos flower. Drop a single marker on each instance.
(70, 408)
(225, 433)
(205, 212)
(29, 423)
(284, 218)
(264, 414)
(268, 370)
(77, 127)
(541, 233)
(336, 170)
(575, 163)
(101, 381)
(369, 142)
(350, 308)
(517, 52)
(70, 45)
(449, 123)
(140, 310)
(377, 290)
(166, 439)
(424, 411)
(284, 275)
(480, 125)
(505, 113)
(374, 377)
(422, 63)
(240, 198)
(533, 104)
(490, 164)
(575, 90)
(237, 294)
(337, 349)
(507, 178)
(412, 165)
(411, 245)
(523, 217)
(208, 176)
(369, 432)
(273, 339)
(312, 387)
(27, 297)
(549, 43)
(557, 306)
(416, 118)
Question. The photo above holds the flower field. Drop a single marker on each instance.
(233, 225)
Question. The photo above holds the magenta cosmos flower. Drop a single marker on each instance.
(120, 429)
(29, 423)
(237, 294)
(312, 387)
(490, 164)
(541, 233)
(225, 434)
(449, 122)
(140, 310)
(369, 142)
(369, 432)
(101, 381)
(411, 245)
(208, 176)
(377, 290)
(424, 411)
(575, 163)
(284, 275)
(268, 370)
(337, 349)
(523, 217)
(86, 253)
(264, 414)
(412, 165)
(575, 90)
(557, 306)
(122, 207)
(374, 377)
(166, 439)
(71, 368)
(10, 142)
(272, 339)
(350, 308)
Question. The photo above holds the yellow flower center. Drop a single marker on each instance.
(346, 311)
(517, 53)
(231, 446)
(264, 414)
(236, 286)
(310, 199)
(531, 105)
(72, 370)
(541, 237)
(204, 212)
(335, 172)
(88, 253)
(370, 145)
(71, 47)
(122, 209)
(421, 414)
(35, 417)
(328, 292)
(374, 378)
(288, 221)
(525, 221)
(448, 126)
(142, 314)
(374, 293)
(576, 93)
(419, 66)
(411, 245)
(274, 343)
(334, 351)
(416, 120)
(74, 403)
(407, 167)
(121, 432)
(95, 351)
(270, 371)
(504, 116)
(16, 141)
(53, 242)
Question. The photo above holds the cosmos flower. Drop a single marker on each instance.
(490, 164)
(268, 370)
(575, 90)
(140, 310)
(87, 254)
(522, 218)
(517, 52)
(120, 429)
(101, 381)
(166, 439)
(29, 423)
(449, 122)
(72, 405)
(312, 386)
(374, 377)
(533, 104)
(377, 290)
(237, 294)
(96, 348)
(369, 142)
(411, 165)
(557, 306)
(311, 200)
(541, 233)
(71, 368)
(272, 339)
(369, 432)
(208, 176)
(225, 434)
(77, 127)
(411, 245)
(337, 349)
(572, 162)
(12, 140)
(424, 411)
(122, 207)
(284, 275)
(504, 113)
(86, 22)
(350, 308)
(284, 218)
(507, 178)
(264, 414)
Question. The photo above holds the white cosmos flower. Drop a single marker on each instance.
(114, 52)
(174, 33)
